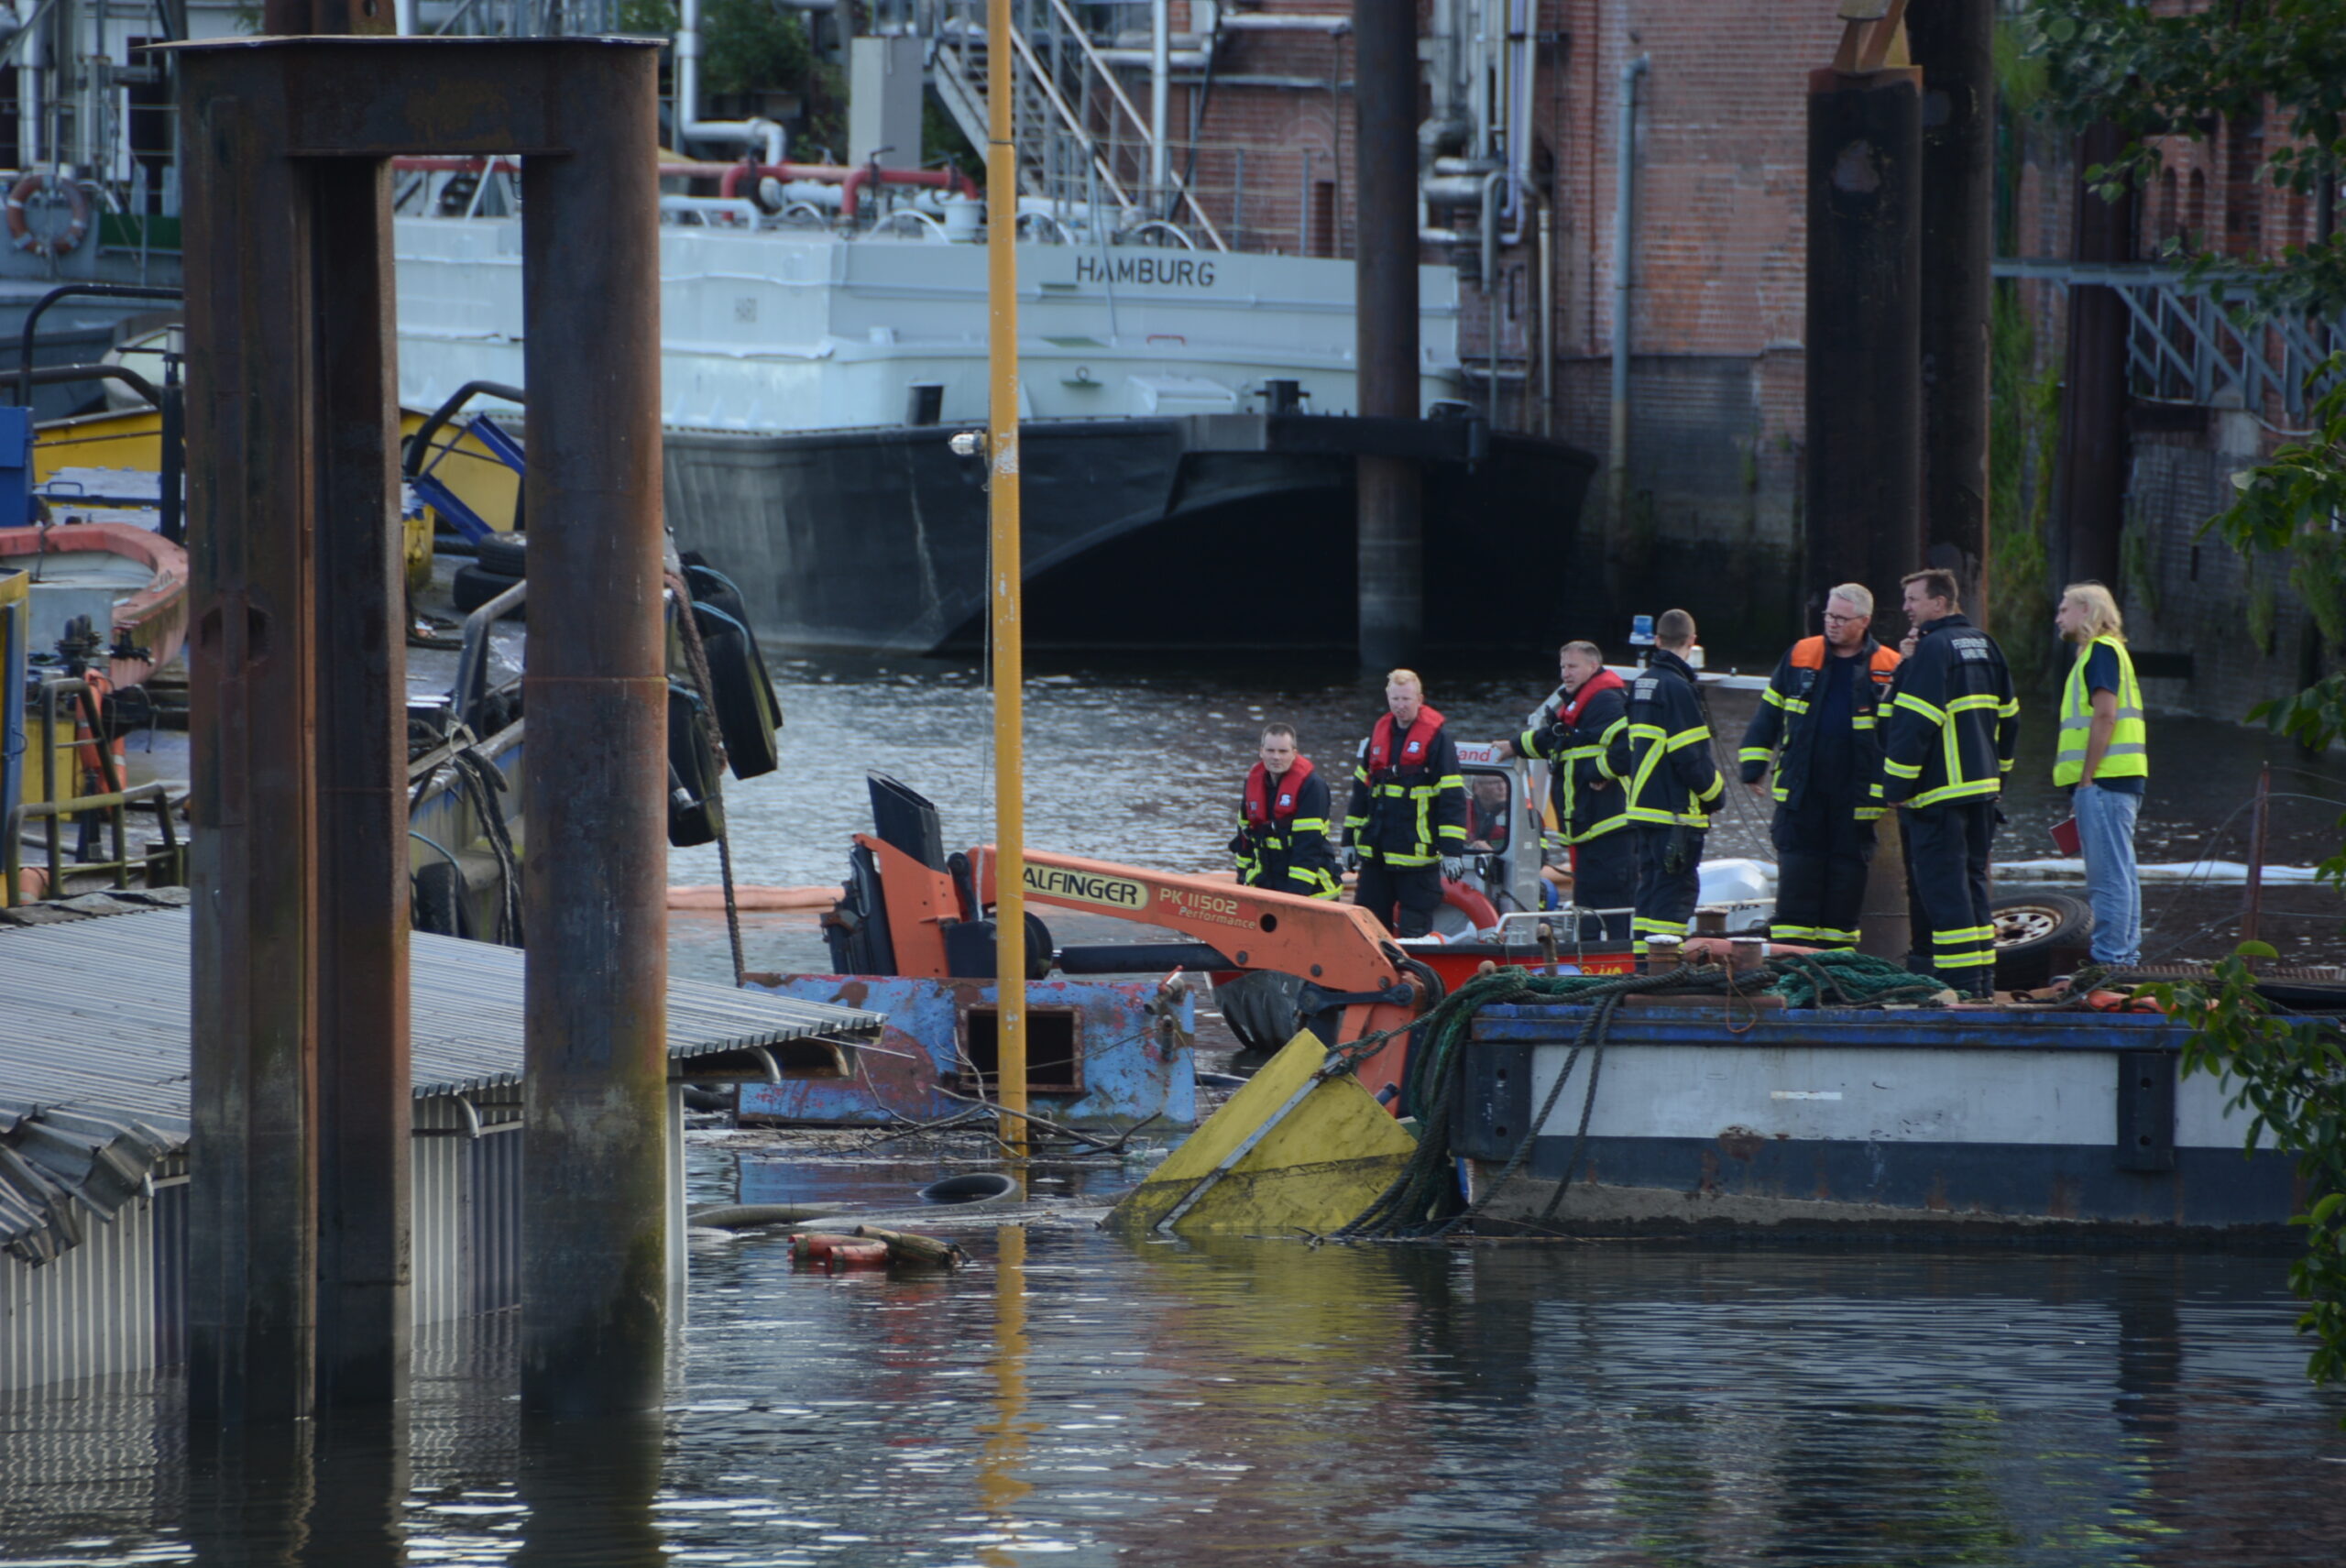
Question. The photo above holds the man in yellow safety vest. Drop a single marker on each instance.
(2104, 762)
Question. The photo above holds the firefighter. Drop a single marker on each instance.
(1816, 722)
(1282, 842)
(1663, 753)
(1952, 728)
(1571, 735)
(1405, 830)
(2103, 759)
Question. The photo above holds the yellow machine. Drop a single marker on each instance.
(131, 439)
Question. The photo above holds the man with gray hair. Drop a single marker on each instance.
(1817, 723)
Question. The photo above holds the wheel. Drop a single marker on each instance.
(2030, 930)
(507, 554)
(475, 587)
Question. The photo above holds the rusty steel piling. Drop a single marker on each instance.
(1390, 549)
(1863, 413)
(1953, 45)
(2090, 493)
(298, 1236)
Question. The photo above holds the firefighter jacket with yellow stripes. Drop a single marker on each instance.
(1954, 721)
(1663, 753)
(1282, 842)
(1785, 720)
(1571, 736)
(2128, 753)
(1408, 805)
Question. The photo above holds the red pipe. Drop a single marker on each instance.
(729, 183)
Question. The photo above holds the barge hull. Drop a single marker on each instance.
(1803, 1125)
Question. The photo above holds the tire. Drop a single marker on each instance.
(743, 699)
(2034, 929)
(507, 554)
(476, 586)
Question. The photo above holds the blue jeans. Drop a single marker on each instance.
(2106, 833)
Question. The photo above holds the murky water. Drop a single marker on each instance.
(1143, 765)
(1076, 1398)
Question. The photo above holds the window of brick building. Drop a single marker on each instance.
(2170, 220)
(1324, 217)
(2243, 197)
(2195, 213)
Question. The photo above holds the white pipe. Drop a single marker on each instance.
(688, 123)
(1625, 174)
(740, 209)
(1284, 22)
(1160, 71)
(404, 17)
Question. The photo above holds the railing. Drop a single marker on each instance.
(114, 800)
(2185, 345)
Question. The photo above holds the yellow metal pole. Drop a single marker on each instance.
(1003, 591)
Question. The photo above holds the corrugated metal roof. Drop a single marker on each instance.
(94, 1050)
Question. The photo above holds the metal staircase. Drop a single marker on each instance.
(1083, 145)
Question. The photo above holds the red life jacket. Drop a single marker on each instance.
(1416, 746)
(1603, 681)
(1259, 809)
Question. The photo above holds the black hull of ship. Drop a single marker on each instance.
(1208, 532)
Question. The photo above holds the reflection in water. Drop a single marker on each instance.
(1075, 1395)
(1000, 1489)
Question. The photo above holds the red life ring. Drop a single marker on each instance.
(77, 208)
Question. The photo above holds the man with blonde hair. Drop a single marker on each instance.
(1818, 723)
(1405, 827)
(2103, 759)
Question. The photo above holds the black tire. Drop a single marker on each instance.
(2034, 929)
(743, 699)
(693, 818)
(507, 554)
(476, 586)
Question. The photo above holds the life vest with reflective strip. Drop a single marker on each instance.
(1415, 752)
(1258, 808)
(2128, 754)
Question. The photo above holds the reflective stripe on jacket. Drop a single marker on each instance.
(2128, 754)
(1953, 722)
(1572, 743)
(1783, 719)
(1411, 810)
(1663, 751)
(1282, 842)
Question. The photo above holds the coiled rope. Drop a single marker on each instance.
(1421, 1202)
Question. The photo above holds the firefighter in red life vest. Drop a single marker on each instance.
(1405, 830)
(1282, 842)
(1820, 722)
(1571, 735)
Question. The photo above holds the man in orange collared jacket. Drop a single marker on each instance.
(1820, 723)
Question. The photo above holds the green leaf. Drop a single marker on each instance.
(2256, 951)
(2061, 30)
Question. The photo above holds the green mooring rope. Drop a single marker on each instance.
(1421, 1201)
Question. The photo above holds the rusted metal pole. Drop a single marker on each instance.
(252, 1219)
(1385, 271)
(594, 1224)
(1864, 427)
(365, 1087)
(1953, 43)
(2091, 500)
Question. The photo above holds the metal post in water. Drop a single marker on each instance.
(1384, 271)
(1863, 415)
(1953, 44)
(594, 1259)
(1004, 586)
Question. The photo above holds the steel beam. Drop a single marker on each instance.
(252, 1217)
(1953, 44)
(1385, 269)
(593, 1228)
(1864, 484)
